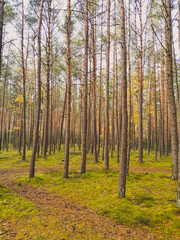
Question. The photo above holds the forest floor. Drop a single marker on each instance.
(86, 206)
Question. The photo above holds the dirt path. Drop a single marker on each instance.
(74, 218)
(71, 219)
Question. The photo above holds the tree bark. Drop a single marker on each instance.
(100, 79)
(24, 84)
(1, 37)
(36, 128)
(171, 99)
(68, 82)
(140, 95)
(178, 187)
(106, 150)
(162, 100)
(122, 176)
(84, 108)
(129, 73)
(46, 124)
(94, 79)
(155, 107)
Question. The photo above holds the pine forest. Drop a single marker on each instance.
(89, 119)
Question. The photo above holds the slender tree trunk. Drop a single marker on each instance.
(84, 108)
(162, 100)
(24, 84)
(140, 95)
(94, 80)
(155, 107)
(106, 150)
(166, 104)
(51, 113)
(149, 114)
(68, 52)
(1, 37)
(178, 188)
(100, 78)
(3, 102)
(46, 125)
(122, 176)
(88, 136)
(20, 130)
(129, 72)
(80, 118)
(172, 106)
(36, 128)
(62, 118)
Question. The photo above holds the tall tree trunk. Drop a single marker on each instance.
(24, 84)
(36, 127)
(140, 87)
(94, 79)
(162, 100)
(45, 142)
(1, 37)
(122, 176)
(84, 107)
(166, 104)
(106, 150)
(100, 79)
(129, 73)
(155, 107)
(51, 106)
(113, 87)
(149, 112)
(171, 99)
(80, 117)
(88, 136)
(178, 188)
(117, 103)
(3, 102)
(68, 82)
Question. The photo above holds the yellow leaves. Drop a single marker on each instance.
(19, 98)
(16, 128)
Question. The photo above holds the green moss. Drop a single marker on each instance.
(150, 193)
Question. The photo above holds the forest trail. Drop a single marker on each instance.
(70, 219)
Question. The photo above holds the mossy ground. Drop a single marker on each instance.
(150, 201)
